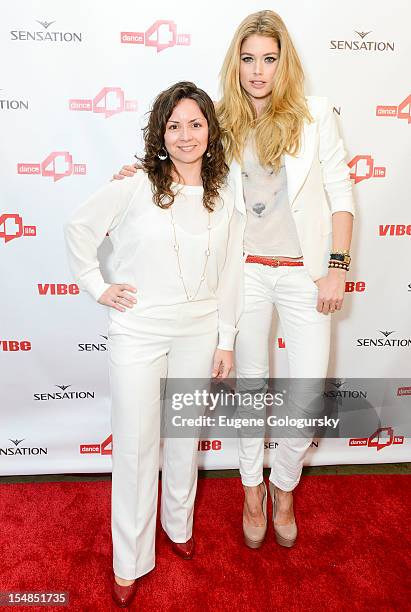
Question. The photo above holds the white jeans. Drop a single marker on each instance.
(307, 339)
(181, 345)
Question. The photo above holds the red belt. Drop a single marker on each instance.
(274, 263)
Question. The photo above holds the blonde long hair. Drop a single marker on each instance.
(279, 127)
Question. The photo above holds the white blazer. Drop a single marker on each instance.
(318, 185)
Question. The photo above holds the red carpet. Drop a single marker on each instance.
(352, 552)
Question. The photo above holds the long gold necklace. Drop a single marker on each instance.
(176, 246)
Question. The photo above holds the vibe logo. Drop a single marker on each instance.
(357, 286)
(362, 167)
(15, 345)
(57, 165)
(383, 437)
(394, 230)
(58, 289)
(11, 227)
(208, 445)
(105, 448)
(161, 35)
(402, 111)
(108, 102)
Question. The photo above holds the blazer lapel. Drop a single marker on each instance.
(298, 167)
(236, 181)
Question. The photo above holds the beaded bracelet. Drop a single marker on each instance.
(338, 264)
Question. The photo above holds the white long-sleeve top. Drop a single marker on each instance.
(144, 252)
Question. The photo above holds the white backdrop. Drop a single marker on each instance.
(76, 82)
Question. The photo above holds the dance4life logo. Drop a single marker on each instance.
(402, 111)
(385, 341)
(46, 35)
(22, 450)
(93, 346)
(280, 343)
(383, 437)
(63, 394)
(402, 391)
(161, 35)
(108, 102)
(11, 227)
(105, 448)
(57, 165)
(362, 43)
(363, 167)
(58, 289)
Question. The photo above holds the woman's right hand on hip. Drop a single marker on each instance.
(125, 171)
(117, 296)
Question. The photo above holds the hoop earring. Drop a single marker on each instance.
(162, 156)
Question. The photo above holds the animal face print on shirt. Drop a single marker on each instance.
(262, 189)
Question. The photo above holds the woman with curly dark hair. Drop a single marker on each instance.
(174, 306)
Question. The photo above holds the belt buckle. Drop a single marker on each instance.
(276, 263)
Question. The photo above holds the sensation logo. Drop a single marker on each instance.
(10, 104)
(341, 393)
(105, 448)
(402, 111)
(91, 346)
(161, 35)
(361, 44)
(386, 341)
(46, 35)
(56, 165)
(22, 450)
(383, 437)
(108, 102)
(11, 227)
(273, 445)
(362, 168)
(63, 394)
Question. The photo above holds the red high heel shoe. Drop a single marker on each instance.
(185, 550)
(123, 595)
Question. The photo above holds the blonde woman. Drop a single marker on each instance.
(288, 163)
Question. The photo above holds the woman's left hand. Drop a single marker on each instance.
(222, 364)
(331, 290)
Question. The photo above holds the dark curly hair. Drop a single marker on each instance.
(214, 170)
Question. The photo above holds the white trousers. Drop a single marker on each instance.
(307, 339)
(181, 345)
